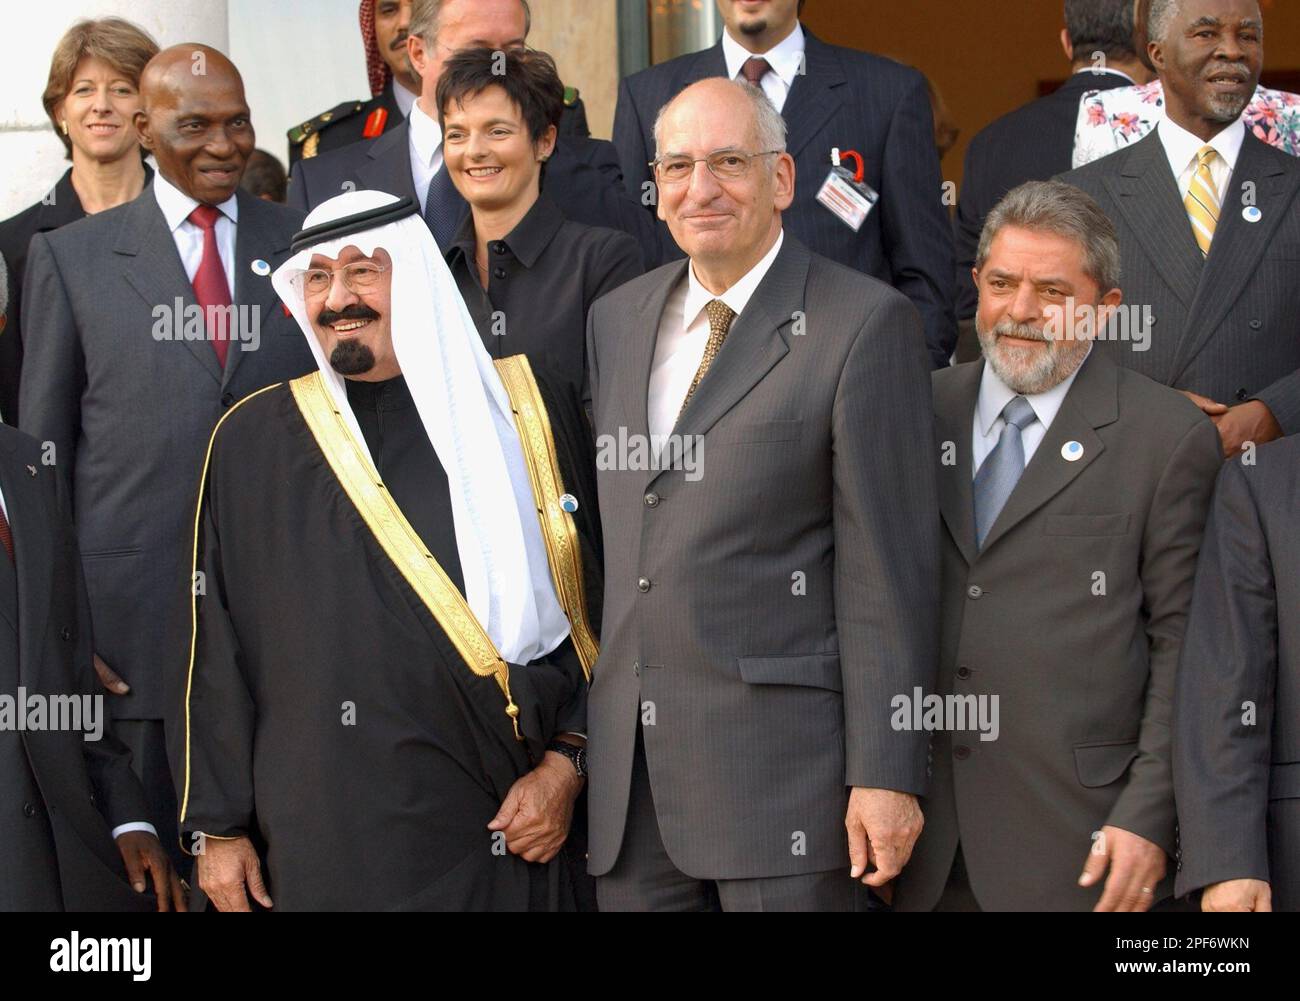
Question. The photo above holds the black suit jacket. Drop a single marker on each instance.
(1226, 326)
(87, 786)
(853, 100)
(1033, 143)
(582, 178)
(1237, 711)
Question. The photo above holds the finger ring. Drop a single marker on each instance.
(1146, 889)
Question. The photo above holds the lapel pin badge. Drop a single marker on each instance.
(569, 503)
(31, 469)
(1251, 213)
(1071, 451)
(260, 267)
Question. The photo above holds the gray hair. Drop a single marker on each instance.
(1062, 209)
(1161, 18)
(769, 126)
(4, 286)
(425, 15)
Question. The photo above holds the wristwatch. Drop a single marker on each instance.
(578, 755)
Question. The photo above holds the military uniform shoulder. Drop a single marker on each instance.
(301, 135)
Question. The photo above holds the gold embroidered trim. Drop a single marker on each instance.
(558, 530)
(310, 147)
(399, 540)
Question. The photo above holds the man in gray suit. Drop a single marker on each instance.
(1237, 712)
(1209, 226)
(770, 543)
(1074, 494)
(156, 316)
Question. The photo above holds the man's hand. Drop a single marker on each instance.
(1250, 421)
(110, 678)
(141, 851)
(1206, 404)
(538, 809)
(1238, 895)
(883, 826)
(224, 867)
(1136, 866)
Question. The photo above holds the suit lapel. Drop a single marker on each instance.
(1238, 245)
(33, 560)
(635, 390)
(1092, 402)
(813, 98)
(1147, 194)
(154, 270)
(387, 165)
(757, 341)
(954, 414)
(256, 238)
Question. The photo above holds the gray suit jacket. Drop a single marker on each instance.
(1082, 666)
(130, 415)
(764, 614)
(1227, 326)
(1237, 776)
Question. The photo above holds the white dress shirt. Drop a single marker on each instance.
(786, 59)
(404, 98)
(1182, 147)
(426, 151)
(684, 334)
(176, 207)
(994, 396)
(136, 825)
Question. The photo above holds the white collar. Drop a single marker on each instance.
(1182, 147)
(176, 205)
(996, 394)
(426, 134)
(737, 297)
(404, 98)
(785, 57)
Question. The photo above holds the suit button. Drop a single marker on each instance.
(961, 752)
(963, 672)
(29, 810)
(66, 632)
(643, 585)
(1241, 395)
(227, 399)
(1256, 324)
(651, 500)
(975, 591)
(498, 272)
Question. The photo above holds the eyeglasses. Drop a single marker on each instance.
(724, 164)
(359, 277)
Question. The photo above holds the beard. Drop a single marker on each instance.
(1226, 108)
(753, 27)
(1029, 371)
(351, 358)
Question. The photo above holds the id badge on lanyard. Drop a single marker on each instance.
(845, 192)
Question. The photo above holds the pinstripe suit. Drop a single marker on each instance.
(759, 618)
(1226, 326)
(853, 100)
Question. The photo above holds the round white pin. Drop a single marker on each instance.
(260, 267)
(1071, 451)
(569, 503)
(1251, 213)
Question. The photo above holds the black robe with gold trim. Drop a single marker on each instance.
(330, 717)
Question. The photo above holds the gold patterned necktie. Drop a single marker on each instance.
(1202, 201)
(720, 317)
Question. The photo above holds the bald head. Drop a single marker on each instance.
(195, 121)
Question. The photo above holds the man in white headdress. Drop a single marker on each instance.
(396, 566)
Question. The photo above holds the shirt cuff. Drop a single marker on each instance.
(138, 825)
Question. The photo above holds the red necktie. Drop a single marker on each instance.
(754, 69)
(210, 286)
(6, 537)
